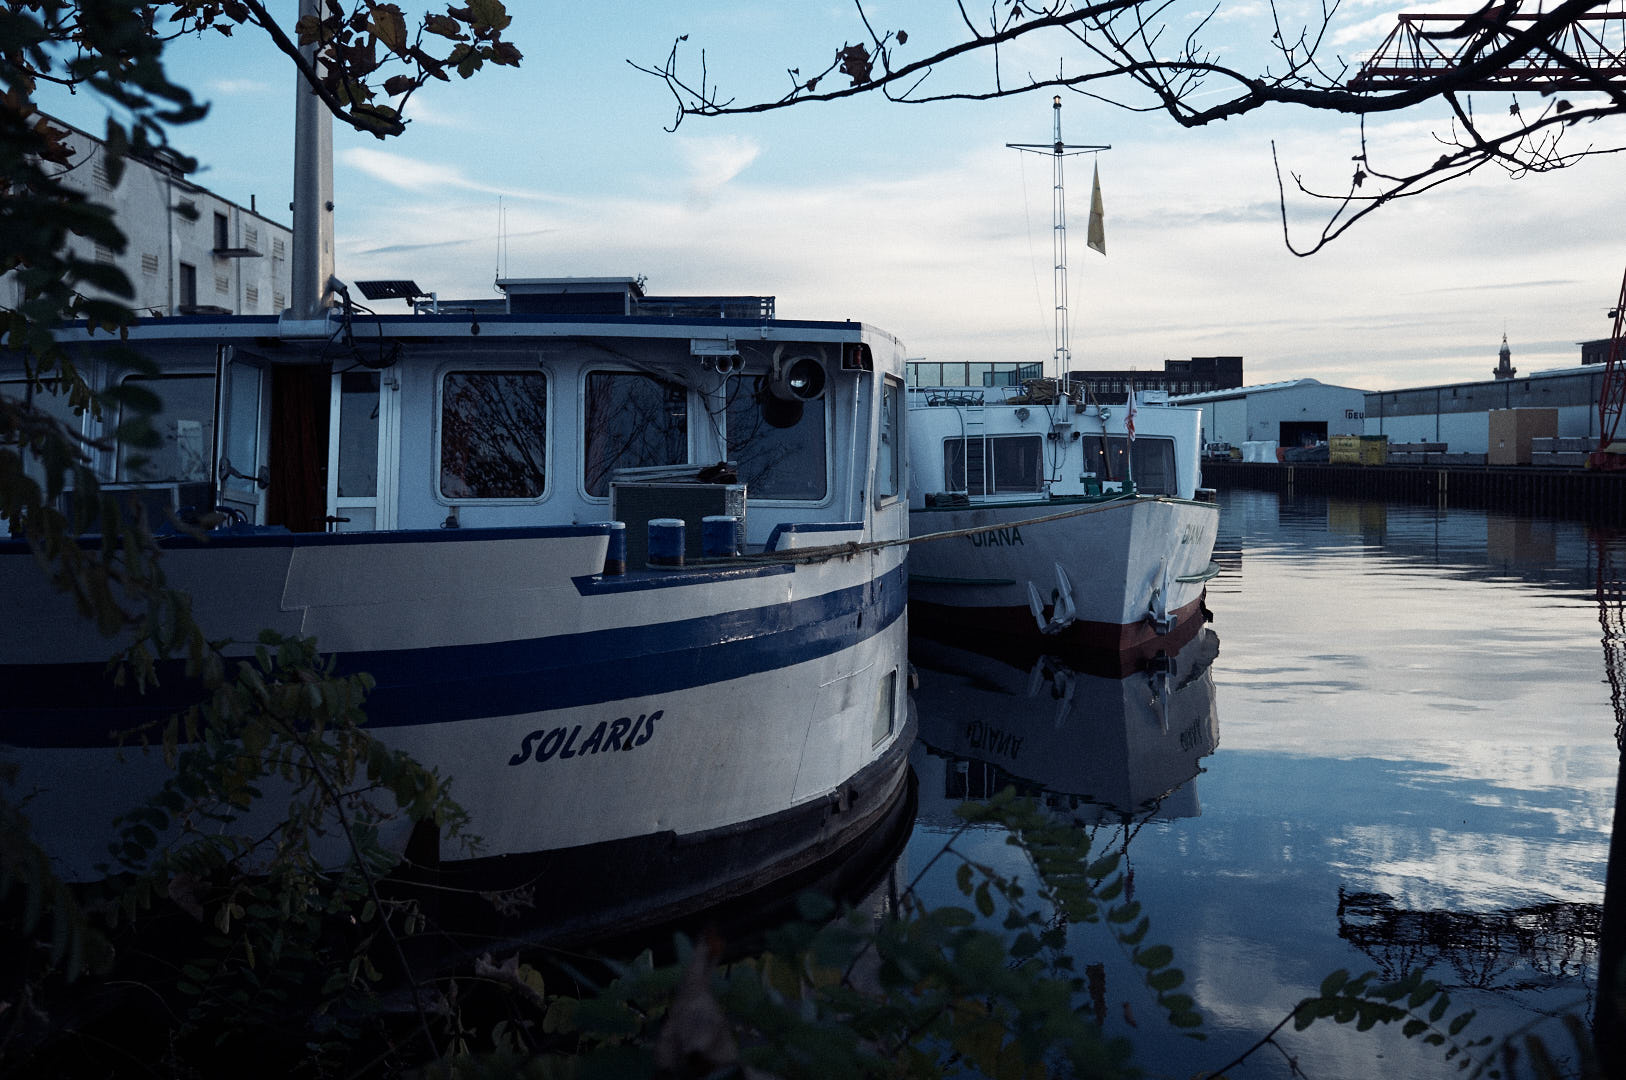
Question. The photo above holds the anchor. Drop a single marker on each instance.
(1062, 680)
(1062, 613)
(1157, 606)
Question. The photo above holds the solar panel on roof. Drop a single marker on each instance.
(394, 289)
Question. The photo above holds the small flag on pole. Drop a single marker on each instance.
(1098, 230)
(1129, 417)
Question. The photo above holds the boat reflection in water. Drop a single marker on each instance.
(1102, 747)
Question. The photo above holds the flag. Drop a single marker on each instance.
(1098, 229)
(1129, 417)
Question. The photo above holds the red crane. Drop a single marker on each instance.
(1611, 397)
(1582, 50)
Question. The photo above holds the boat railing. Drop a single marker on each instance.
(922, 396)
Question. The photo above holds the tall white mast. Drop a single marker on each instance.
(312, 263)
(1059, 150)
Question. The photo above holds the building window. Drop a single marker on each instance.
(189, 285)
(149, 263)
(279, 300)
(632, 420)
(251, 295)
(222, 232)
(100, 171)
(251, 237)
(222, 283)
(104, 255)
(493, 434)
(279, 248)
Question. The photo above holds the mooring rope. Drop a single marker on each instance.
(853, 548)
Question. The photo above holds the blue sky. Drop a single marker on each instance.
(917, 218)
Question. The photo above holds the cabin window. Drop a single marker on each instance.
(777, 462)
(889, 453)
(1000, 465)
(493, 434)
(1154, 470)
(632, 421)
(53, 402)
(186, 431)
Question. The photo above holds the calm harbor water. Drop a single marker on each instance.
(1396, 746)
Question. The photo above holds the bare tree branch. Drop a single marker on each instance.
(1125, 63)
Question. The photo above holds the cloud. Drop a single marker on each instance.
(239, 87)
(714, 160)
(414, 175)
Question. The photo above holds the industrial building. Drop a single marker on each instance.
(1292, 413)
(1458, 414)
(1194, 376)
(189, 251)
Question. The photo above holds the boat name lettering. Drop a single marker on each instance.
(624, 733)
(985, 737)
(997, 538)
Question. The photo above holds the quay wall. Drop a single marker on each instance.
(1520, 489)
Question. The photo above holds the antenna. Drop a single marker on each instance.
(1058, 208)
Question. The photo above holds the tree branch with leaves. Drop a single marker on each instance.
(1134, 54)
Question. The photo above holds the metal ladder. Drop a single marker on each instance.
(972, 427)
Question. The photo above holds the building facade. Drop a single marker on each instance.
(1294, 413)
(1200, 374)
(189, 251)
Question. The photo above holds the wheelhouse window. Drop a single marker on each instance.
(889, 451)
(632, 421)
(52, 401)
(780, 449)
(185, 424)
(493, 434)
(1153, 461)
(1000, 465)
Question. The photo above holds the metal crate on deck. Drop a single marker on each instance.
(636, 502)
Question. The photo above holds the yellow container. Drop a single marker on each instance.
(1344, 449)
(1374, 449)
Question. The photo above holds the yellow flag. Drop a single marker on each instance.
(1098, 229)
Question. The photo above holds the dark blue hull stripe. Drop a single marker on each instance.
(76, 705)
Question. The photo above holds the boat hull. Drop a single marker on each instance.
(1102, 747)
(1126, 563)
(578, 716)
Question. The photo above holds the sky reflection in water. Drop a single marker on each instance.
(1415, 745)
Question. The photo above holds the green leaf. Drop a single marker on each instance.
(1167, 979)
(985, 900)
(962, 879)
(1156, 956)
(1460, 1022)
(1332, 983)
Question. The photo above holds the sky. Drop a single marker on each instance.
(917, 218)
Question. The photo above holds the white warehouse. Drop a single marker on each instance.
(1457, 414)
(190, 251)
(1290, 413)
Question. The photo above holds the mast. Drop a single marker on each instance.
(312, 262)
(1058, 151)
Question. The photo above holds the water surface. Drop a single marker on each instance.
(1408, 757)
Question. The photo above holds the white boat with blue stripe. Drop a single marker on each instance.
(710, 691)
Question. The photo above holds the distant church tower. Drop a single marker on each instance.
(1504, 368)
